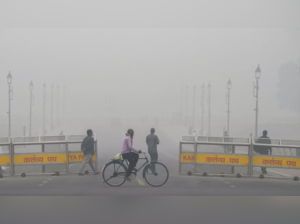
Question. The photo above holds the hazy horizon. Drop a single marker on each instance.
(139, 67)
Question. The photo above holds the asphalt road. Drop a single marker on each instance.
(109, 144)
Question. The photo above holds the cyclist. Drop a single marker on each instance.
(130, 153)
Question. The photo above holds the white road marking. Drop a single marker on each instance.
(140, 182)
(50, 179)
(232, 186)
(44, 182)
(40, 185)
(177, 142)
(226, 183)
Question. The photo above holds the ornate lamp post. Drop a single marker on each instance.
(228, 103)
(31, 104)
(255, 94)
(209, 115)
(10, 98)
(44, 108)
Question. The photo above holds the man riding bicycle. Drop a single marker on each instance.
(130, 153)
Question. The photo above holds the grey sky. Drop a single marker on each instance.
(155, 13)
(144, 68)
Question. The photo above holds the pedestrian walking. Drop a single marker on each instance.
(152, 142)
(87, 147)
(263, 150)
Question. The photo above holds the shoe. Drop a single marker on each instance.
(81, 174)
(135, 169)
(126, 178)
(96, 173)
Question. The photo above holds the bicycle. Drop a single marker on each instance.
(155, 174)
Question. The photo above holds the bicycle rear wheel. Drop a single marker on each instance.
(113, 173)
(156, 174)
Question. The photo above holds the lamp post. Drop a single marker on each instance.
(194, 96)
(181, 104)
(255, 94)
(57, 89)
(10, 97)
(64, 102)
(202, 120)
(209, 90)
(52, 95)
(44, 108)
(228, 103)
(31, 104)
(186, 105)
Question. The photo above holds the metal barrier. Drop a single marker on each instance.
(5, 146)
(285, 155)
(41, 155)
(215, 156)
(237, 156)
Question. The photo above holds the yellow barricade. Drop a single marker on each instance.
(78, 157)
(5, 160)
(216, 159)
(208, 154)
(42, 154)
(40, 158)
(284, 162)
(216, 156)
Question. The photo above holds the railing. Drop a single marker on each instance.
(235, 156)
(42, 155)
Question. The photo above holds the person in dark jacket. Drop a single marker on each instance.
(264, 150)
(152, 142)
(87, 146)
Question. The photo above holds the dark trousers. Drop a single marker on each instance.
(132, 158)
(264, 169)
(154, 158)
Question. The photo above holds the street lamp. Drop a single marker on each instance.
(194, 96)
(10, 98)
(186, 105)
(64, 102)
(209, 115)
(181, 103)
(52, 95)
(228, 103)
(255, 94)
(57, 89)
(44, 108)
(31, 104)
(202, 120)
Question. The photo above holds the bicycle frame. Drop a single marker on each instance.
(147, 162)
(120, 163)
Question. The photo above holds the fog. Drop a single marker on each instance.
(135, 72)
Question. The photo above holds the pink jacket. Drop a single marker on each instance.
(127, 146)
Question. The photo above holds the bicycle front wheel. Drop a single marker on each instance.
(114, 173)
(156, 174)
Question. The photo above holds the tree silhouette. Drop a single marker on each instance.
(289, 87)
